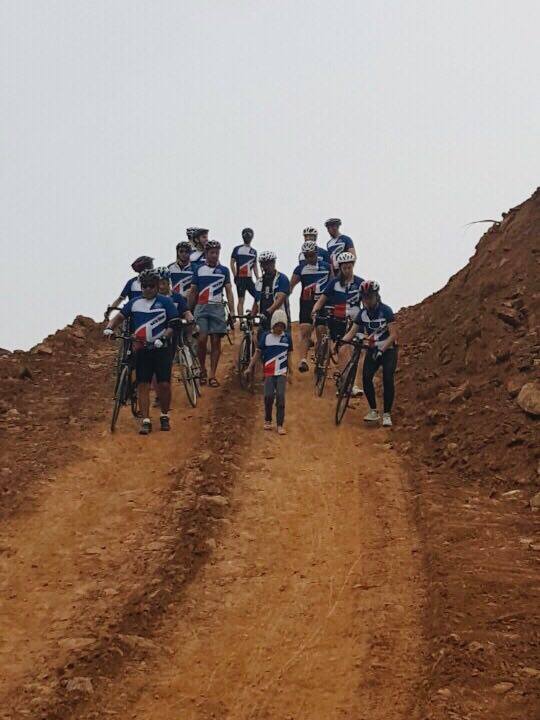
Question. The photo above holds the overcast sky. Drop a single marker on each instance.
(123, 121)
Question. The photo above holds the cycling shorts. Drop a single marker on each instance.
(306, 308)
(243, 284)
(337, 328)
(152, 362)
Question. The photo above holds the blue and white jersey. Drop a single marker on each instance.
(343, 297)
(149, 318)
(210, 282)
(245, 257)
(322, 254)
(314, 279)
(132, 289)
(181, 278)
(275, 351)
(180, 302)
(197, 258)
(335, 246)
(374, 323)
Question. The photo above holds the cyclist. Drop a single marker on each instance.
(182, 269)
(313, 274)
(337, 243)
(199, 239)
(243, 265)
(190, 232)
(271, 289)
(375, 321)
(274, 349)
(152, 319)
(341, 298)
(310, 235)
(206, 295)
(132, 289)
(165, 288)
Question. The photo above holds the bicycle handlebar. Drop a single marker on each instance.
(109, 310)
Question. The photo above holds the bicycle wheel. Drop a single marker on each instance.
(133, 397)
(186, 375)
(195, 369)
(244, 358)
(345, 387)
(120, 396)
(321, 365)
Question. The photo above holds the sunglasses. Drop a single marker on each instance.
(149, 285)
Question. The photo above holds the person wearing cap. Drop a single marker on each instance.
(274, 349)
(199, 239)
(210, 280)
(337, 242)
(182, 269)
(243, 266)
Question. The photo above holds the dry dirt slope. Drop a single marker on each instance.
(466, 353)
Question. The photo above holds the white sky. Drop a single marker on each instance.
(122, 122)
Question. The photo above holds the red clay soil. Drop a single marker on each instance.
(466, 353)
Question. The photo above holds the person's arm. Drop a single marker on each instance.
(116, 321)
(391, 339)
(278, 302)
(187, 316)
(115, 303)
(352, 332)
(192, 296)
(256, 357)
(233, 265)
(321, 302)
(256, 267)
(230, 297)
(295, 279)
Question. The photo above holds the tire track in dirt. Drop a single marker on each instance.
(311, 604)
(143, 523)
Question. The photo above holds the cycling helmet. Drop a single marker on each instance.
(309, 246)
(309, 231)
(142, 263)
(184, 245)
(149, 275)
(369, 286)
(332, 221)
(164, 273)
(190, 232)
(247, 232)
(197, 232)
(345, 257)
(213, 245)
(267, 256)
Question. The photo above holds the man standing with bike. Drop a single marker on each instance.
(152, 319)
(182, 269)
(243, 265)
(206, 296)
(313, 274)
(337, 243)
(199, 239)
(376, 322)
(271, 290)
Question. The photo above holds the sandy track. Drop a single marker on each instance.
(297, 596)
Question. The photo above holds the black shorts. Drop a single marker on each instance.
(243, 284)
(153, 362)
(337, 328)
(306, 308)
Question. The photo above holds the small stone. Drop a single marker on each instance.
(438, 434)
(136, 642)
(535, 501)
(42, 349)
(503, 687)
(510, 494)
(76, 643)
(531, 672)
(444, 692)
(513, 386)
(529, 399)
(510, 316)
(80, 684)
(217, 500)
(12, 413)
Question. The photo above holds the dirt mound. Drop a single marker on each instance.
(47, 396)
(467, 400)
(468, 350)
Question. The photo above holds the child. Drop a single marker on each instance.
(274, 348)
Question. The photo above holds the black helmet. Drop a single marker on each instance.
(200, 231)
(247, 233)
(184, 245)
(190, 232)
(333, 221)
(149, 275)
(142, 263)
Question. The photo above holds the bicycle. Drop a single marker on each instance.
(125, 389)
(190, 369)
(345, 382)
(122, 347)
(248, 323)
(322, 357)
(229, 319)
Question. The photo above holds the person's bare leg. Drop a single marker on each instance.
(305, 334)
(201, 351)
(143, 392)
(240, 305)
(164, 394)
(215, 353)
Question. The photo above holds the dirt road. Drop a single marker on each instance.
(257, 577)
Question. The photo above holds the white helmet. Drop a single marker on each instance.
(267, 256)
(310, 231)
(309, 246)
(345, 257)
(278, 316)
